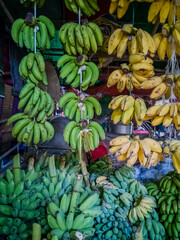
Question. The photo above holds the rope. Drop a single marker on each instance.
(36, 28)
(133, 16)
(79, 16)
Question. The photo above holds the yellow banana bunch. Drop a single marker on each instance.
(164, 10)
(176, 88)
(125, 108)
(163, 87)
(121, 6)
(174, 148)
(165, 114)
(139, 41)
(147, 151)
(141, 67)
(168, 41)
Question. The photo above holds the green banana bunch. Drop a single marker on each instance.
(80, 39)
(89, 135)
(30, 3)
(152, 228)
(65, 220)
(80, 107)
(102, 166)
(30, 131)
(32, 69)
(168, 201)
(23, 32)
(88, 7)
(70, 66)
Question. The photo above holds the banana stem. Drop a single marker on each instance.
(76, 193)
(85, 171)
(36, 232)
(17, 169)
(52, 170)
(62, 163)
(40, 162)
(31, 164)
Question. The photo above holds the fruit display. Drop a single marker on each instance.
(87, 7)
(86, 138)
(30, 3)
(80, 39)
(175, 151)
(120, 191)
(80, 107)
(165, 114)
(125, 108)
(70, 66)
(167, 196)
(32, 69)
(147, 151)
(165, 11)
(141, 41)
(23, 32)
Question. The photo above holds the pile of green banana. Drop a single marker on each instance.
(89, 135)
(80, 39)
(23, 32)
(88, 7)
(32, 69)
(70, 66)
(74, 214)
(102, 166)
(168, 200)
(32, 125)
(80, 107)
(30, 3)
(152, 228)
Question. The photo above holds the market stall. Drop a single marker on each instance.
(90, 120)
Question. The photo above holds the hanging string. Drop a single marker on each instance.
(79, 16)
(130, 93)
(133, 16)
(36, 28)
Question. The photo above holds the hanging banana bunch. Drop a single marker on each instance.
(131, 39)
(139, 74)
(23, 32)
(147, 151)
(33, 125)
(89, 135)
(80, 39)
(87, 7)
(125, 108)
(164, 10)
(32, 69)
(80, 107)
(121, 6)
(168, 41)
(165, 114)
(70, 66)
(174, 148)
(30, 3)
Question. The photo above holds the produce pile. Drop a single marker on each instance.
(80, 39)
(23, 32)
(147, 151)
(167, 195)
(53, 194)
